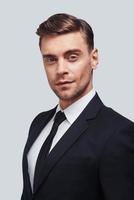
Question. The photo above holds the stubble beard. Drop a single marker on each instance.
(75, 95)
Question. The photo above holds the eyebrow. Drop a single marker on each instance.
(65, 53)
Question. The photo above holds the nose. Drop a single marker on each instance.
(62, 67)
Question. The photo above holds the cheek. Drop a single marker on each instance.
(83, 74)
(50, 75)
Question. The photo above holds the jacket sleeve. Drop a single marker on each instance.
(116, 170)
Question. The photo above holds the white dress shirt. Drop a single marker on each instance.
(71, 112)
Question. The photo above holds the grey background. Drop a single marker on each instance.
(23, 85)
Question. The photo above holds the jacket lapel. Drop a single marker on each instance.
(69, 138)
(35, 129)
(37, 126)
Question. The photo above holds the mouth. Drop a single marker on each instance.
(60, 83)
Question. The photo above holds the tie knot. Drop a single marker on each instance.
(59, 117)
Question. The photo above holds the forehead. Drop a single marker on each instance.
(62, 43)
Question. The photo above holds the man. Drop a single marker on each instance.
(80, 149)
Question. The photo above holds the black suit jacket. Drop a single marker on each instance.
(94, 160)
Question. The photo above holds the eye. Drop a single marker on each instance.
(73, 57)
(50, 60)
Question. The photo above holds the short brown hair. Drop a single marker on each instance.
(63, 23)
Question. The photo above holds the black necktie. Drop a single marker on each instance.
(59, 118)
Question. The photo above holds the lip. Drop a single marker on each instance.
(64, 82)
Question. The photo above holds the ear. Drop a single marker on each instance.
(94, 58)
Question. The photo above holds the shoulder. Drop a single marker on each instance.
(42, 116)
(120, 133)
(106, 116)
(114, 119)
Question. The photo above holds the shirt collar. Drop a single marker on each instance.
(75, 109)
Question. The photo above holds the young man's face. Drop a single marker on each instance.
(68, 65)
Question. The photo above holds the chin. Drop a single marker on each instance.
(69, 97)
(66, 95)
